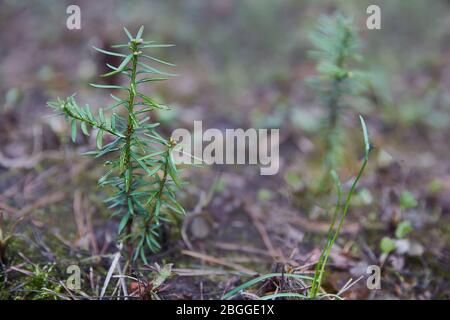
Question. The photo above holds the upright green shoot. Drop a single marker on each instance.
(334, 232)
(140, 163)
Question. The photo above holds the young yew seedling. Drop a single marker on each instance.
(139, 160)
(336, 49)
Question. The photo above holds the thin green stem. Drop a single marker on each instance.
(129, 135)
(93, 124)
(320, 267)
(162, 185)
(325, 254)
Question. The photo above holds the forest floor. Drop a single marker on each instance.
(239, 224)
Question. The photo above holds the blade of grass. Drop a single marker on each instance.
(330, 241)
(284, 295)
(254, 281)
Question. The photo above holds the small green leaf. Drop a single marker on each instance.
(134, 120)
(128, 33)
(435, 186)
(115, 71)
(150, 199)
(176, 207)
(151, 79)
(120, 46)
(172, 162)
(109, 52)
(116, 98)
(101, 115)
(120, 68)
(366, 138)
(150, 69)
(173, 171)
(84, 128)
(293, 180)
(123, 222)
(99, 139)
(149, 101)
(130, 206)
(157, 46)
(387, 245)
(157, 207)
(125, 61)
(122, 161)
(152, 243)
(138, 248)
(407, 200)
(113, 121)
(144, 166)
(158, 60)
(104, 177)
(403, 229)
(264, 195)
(152, 155)
(142, 254)
(151, 173)
(88, 112)
(155, 138)
(140, 32)
(108, 86)
(74, 130)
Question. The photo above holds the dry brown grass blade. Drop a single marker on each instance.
(183, 272)
(218, 261)
(25, 212)
(241, 248)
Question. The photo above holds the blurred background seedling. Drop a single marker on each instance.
(337, 50)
